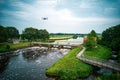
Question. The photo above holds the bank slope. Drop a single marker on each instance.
(100, 52)
(69, 67)
(4, 47)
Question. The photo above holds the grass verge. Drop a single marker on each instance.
(69, 67)
(100, 52)
(109, 77)
(9, 46)
(60, 37)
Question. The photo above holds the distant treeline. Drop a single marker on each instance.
(78, 34)
(30, 34)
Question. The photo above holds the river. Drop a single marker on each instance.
(29, 63)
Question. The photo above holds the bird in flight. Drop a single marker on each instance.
(45, 18)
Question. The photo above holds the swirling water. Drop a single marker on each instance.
(30, 64)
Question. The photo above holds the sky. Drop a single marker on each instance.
(64, 16)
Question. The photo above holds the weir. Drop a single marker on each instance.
(55, 45)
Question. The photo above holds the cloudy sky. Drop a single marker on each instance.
(67, 16)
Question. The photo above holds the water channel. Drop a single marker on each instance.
(29, 63)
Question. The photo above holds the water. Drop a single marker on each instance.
(77, 41)
(30, 64)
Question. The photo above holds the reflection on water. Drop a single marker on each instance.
(30, 64)
(3, 63)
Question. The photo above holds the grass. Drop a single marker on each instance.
(20, 45)
(109, 77)
(69, 67)
(100, 52)
(60, 37)
(9, 46)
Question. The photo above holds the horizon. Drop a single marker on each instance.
(60, 16)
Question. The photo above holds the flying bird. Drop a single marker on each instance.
(45, 18)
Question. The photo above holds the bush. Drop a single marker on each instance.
(91, 40)
(89, 44)
(68, 74)
(75, 37)
(7, 47)
(109, 77)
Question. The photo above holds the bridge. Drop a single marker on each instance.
(55, 45)
(98, 62)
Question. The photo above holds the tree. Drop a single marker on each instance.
(75, 36)
(12, 32)
(43, 34)
(8, 33)
(91, 41)
(111, 37)
(30, 34)
(93, 33)
(3, 34)
(34, 34)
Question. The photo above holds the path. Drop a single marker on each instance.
(98, 62)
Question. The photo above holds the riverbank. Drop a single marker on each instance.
(100, 52)
(69, 67)
(29, 63)
(108, 77)
(60, 37)
(5, 47)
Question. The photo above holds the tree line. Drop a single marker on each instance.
(32, 34)
(110, 38)
(29, 34)
(8, 33)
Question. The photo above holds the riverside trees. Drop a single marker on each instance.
(32, 34)
(8, 33)
(90, 41)
(111, 39)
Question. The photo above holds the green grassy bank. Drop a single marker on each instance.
(109, 77)
(60, 37)
(69, 67)
(100, 52)
(9, 46)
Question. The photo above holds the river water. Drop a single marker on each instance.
(29, 63)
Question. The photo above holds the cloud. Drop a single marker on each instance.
(88, 4)
(110, 9)
(59, 20)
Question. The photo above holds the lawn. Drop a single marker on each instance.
(109, 77)
(20, 45)
(9, 46)
(100, 52)
(69, 67)
(60, 37)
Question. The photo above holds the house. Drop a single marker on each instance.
(15, 41)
